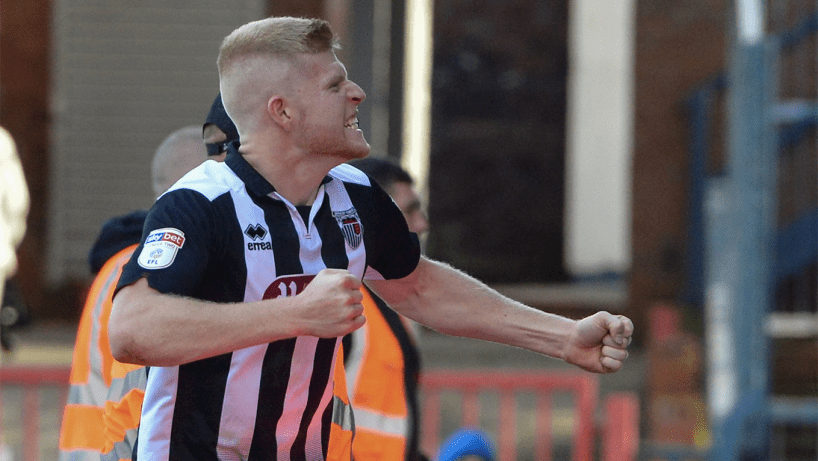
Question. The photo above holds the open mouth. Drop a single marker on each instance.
(352, 124)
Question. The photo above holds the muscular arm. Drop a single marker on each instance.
(151, 328)
(451, 302)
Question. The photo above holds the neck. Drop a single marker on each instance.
(295, 176)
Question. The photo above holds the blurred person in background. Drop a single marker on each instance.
(123, 407)
(94, 370)
(14, 312)
(381, 359)
(14, 203)
(467, 444)
(218, 131)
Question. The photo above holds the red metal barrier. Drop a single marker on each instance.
(620, 434)
(508, 384)
(620, 440)
(32, 379)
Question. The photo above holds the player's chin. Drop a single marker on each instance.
(360, 150)
(358, 140)
(353, 152)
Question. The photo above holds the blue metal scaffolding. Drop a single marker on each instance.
(737, 252)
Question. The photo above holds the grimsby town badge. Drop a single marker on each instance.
(350, 226)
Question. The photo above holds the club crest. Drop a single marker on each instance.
(351, 226)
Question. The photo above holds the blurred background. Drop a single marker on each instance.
(650, 158)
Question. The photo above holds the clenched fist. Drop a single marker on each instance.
(330, 305)
(599, 343)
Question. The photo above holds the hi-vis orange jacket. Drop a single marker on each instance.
(382, 367)
(342, 429)
(81, 436)
(123, 411)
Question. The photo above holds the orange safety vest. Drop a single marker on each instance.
(81, 435)
(381, 369)
(342, 430)
(123, 411)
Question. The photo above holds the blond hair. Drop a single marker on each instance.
(276, 37)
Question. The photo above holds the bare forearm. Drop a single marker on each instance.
(148, 328)
(454, 303)
(451, 302)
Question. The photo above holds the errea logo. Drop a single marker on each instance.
(257, 232)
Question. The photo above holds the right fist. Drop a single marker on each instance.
(330, 305)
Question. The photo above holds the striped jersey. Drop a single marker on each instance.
(222, 233)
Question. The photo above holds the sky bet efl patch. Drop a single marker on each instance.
(161, 247)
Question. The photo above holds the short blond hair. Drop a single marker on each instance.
(276, 37)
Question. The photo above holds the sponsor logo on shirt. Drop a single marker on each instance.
(256, 246)
(257, 232)
(288, 285)
(351, 226)
(160, 248)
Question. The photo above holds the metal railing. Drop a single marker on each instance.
(32, 381)
(615, 434)
(619, 430)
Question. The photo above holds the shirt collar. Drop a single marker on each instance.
(252, 179)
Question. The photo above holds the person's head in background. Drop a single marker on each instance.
(179, 153)
(218, 131)
(467, 444)
(400, 186)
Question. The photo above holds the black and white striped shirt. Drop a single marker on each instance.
(223, 234)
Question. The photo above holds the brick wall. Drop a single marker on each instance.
(677, 45)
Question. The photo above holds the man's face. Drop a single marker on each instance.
(326, 106)
(212, 134)
(408, 200)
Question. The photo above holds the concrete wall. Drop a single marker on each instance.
(124, 77)
(599, 144)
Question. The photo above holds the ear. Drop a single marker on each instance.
(279, 111)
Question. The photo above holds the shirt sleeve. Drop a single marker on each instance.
(174, 248)
(392, 251)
